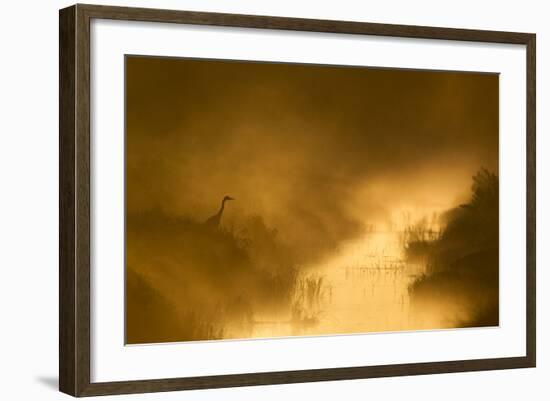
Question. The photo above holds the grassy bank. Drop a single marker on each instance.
(461, 281)
(184, 280)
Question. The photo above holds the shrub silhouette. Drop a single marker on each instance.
(462, 273)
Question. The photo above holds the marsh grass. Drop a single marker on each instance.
(309, 294)
(190, 284)
(417, 239)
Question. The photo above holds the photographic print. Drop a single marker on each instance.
(270, 200)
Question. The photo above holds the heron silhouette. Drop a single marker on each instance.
(214, 221)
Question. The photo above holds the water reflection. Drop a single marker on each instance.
(363, 287)
(368, 284)
(209, 283)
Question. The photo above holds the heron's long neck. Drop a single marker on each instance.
(222, 207)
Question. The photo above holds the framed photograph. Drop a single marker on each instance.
(250, 200)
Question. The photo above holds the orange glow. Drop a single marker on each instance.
(343, 190)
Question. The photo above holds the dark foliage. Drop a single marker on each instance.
(463, 262)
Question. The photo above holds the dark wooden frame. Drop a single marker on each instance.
(74, 199)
